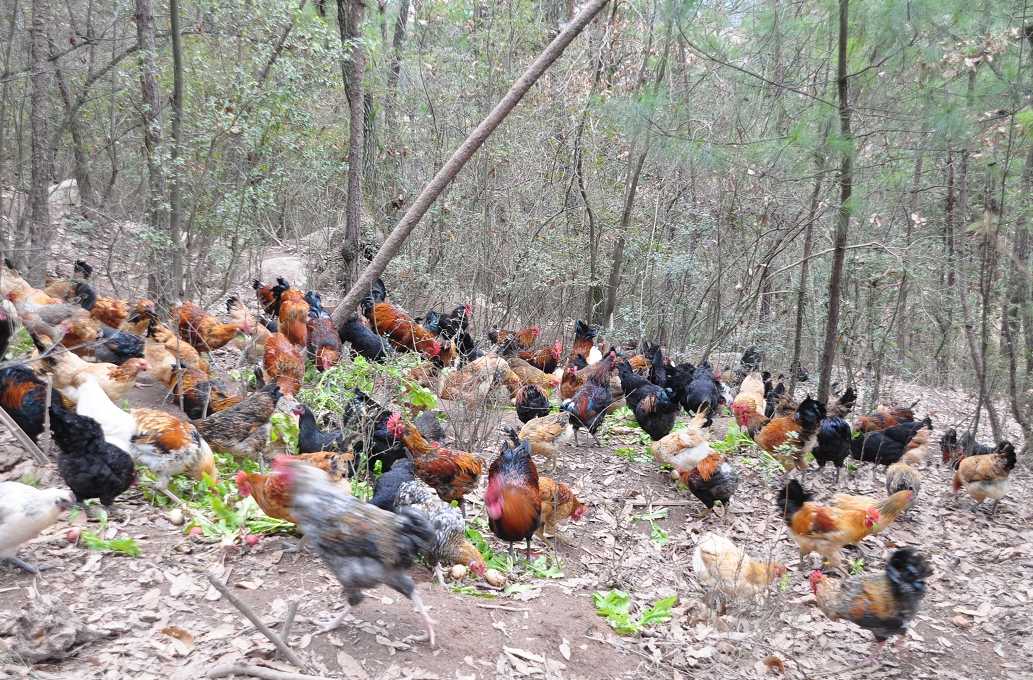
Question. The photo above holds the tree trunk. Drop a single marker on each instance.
(175, 200)
(904, 319)
(353, 66)
(828, 353)
(459, 158)
(36, 249)
(395, 63)
(605, 315)
(801, 292)
(159, 282)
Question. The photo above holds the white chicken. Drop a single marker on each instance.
(118, 426)
(683, 449)
(25, 511)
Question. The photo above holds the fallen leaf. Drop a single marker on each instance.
(565, 649)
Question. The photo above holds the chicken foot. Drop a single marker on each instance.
(417, 602)
(25, 566)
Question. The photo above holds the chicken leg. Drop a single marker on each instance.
(337, 622)
(25, 566)
(417, 602)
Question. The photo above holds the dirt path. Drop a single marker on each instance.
(973, 623)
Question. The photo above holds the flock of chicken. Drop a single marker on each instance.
(91, 349)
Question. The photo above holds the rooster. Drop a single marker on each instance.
(513, 498)
(584, 335)
(724, 569)
(25, 511)
(593, 400)
(654, 407)
(294, 311)
(889, 508)
(203, 331)
(283, 363)
(986, 476)
(324, 344)
(24, 397)
(546, 360)
(883, 604)
(394, 323)
(954, 449)
(833, 444)
(200, 394)
(361, 544)
(698, 390)
(242, 429)
(531, 403)
(269, 295)
(362, 340)
(452, 474)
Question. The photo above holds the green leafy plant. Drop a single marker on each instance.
(856, 566)
(283, 428)
(542, 569)
(633, 453)
(656, 533)
(123, 546)
(492, 559)
(735, 440)
(615, 607)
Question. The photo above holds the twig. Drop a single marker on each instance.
(285, 631)
(262, 628)
(258, 672)
(500, 606)
(668, 504)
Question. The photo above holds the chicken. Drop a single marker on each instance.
(203, 331)
(253, 346)
(593, 400)
(883, 604)
(558, 504)
(363, 341)
(724, 569)
(843, 404)
(117, 425)
(25, 511)
(324, 345)
(76, 292)
(513, 497)
(270, 492)
(529, 375)
(49, 310)
(543, 434)
(117, 347)
(110, 311)
(546, 360)
(511, 342)
(584, 335)
(570, 380)
(530, 403)
(24, 397)
(478, 380)
(294, 317)
(242, 429)
(883, 418)
(749, 399)
(954, 449)
(684, 449)
(452, 474)
(361, 544)
(311, 438)
(833, 444)
(394, 323)
(69, 371)
(89, 465)
(917, 449)
(698, 391)
(798, 431)
(399, 488)
(169, 446)
(8, 325)
(885, 447)
(283, 363)
(655, 408)
(888, 509)
(201, 394)
(821, 528)
(180, 350)
(269, 296)
(986, 476)
(902, 477)
(712, 480)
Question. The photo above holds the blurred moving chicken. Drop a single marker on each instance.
(203, 331)
(511, 342)
(513, 497)
(242, 429)
(529, 375)
(25, 511)
(543, 434)
(712, 481)
(69, 371)
(726, 570)
(889, 508)
(24, 396)
(884, 417)
(269, 295)
(798, 431)
(986, 476)
(452, 474)
(283, 363)
(902, 477)
(394, 323)
(253, 346)
(684, 449)
(270, 490)
(823, 529)
(883, 604)
(558, 505)
(8, 325)
(361, 544)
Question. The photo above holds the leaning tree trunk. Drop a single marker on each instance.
(35, 251)
(353, 66)
(159, 283)
(846, 177)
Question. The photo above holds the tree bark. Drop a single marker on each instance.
(801, 291)
(175, 196)
(459, 158)
(828, 353)
(353, 66)
(159, 282)
(394, 70)
(36, 249)
(605, 315)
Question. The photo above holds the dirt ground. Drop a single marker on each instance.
(157, 617)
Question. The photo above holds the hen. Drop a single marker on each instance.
(593, 400)
(169, 446)
(902, 477)
(883, 604)
(833, 444)
(529, 375)
(654, 407)
(684, 449)
(797, 431)
(200, 394)
(70, 371)
(203, 331)
(531, 402)
(242, 429)
(558, 505)
(25, 511)
(511, 342)
(712, 481)
(89, 465)
(889, 508)
(546, 359)
(986, 476)
(452, 474)
(363, 341)
(361, 544)
(885, 447)
(480, 379)
(283, 363)
(394, 323)
(750, 398)
(513, 497)
(542, 435)
(293, 317)
(324, 345)
(724, 569)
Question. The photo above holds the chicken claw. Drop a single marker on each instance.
(429, 622)
(337, 623)
(25, 566)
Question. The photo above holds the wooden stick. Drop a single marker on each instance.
(250, 616)
(285, 631)
(663, 504)
(23, 438)
(502, 607)
(258, 672)
(393, 243)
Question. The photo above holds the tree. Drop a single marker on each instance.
(36, 251)
(353, 66)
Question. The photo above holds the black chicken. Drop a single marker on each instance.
(834, 444)
(90, 466)
(363, 341)
(655, 408)
(592, 401)
(24, 397)
(531, 403)
(118, 347)
(701, 393)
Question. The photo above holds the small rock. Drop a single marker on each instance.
(175, 517)
(458, 572)
(495, 577)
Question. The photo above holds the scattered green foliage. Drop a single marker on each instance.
(122, 546)
(20, 345)
(29, 479)
(856, 566)
(633, 453)
(735, 440)
(656, 533)
(615, 607)
(541, 568)
(283, 427)
(493, 560)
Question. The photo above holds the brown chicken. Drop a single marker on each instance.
(182, 351)
(284, 364)
(530, 375)
(396, 325)
(986, 476)
(724, 569)
(452, 474)
(798, 431)
(558, 505)
(479, 379)
(510, 342)
(889, 508)
(294, 317)
(584, 335)
(70, 371)
(271, 492)
(883, 604)
(546, 359)
(513, 497)
(242, 429)
(203, 331)
(170, 446)
(884, 418)
(110, 311)
(201, 394)
(824, 529)
(324, 345)
(269, 295)
(542, 435)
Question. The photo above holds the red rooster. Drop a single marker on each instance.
(399, 328)
(513, 498)
(294, 317)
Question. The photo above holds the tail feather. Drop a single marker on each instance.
(890, 508)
